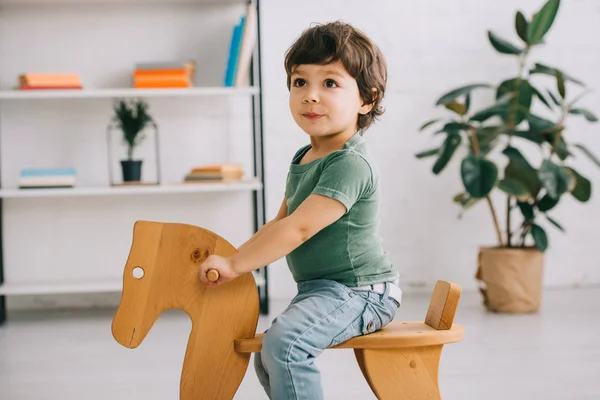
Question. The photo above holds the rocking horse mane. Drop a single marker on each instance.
(167, 256)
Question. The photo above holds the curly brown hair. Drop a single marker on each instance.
(362, 59)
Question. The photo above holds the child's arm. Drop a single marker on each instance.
(276, 240)
(280, 215)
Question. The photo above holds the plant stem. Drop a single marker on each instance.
(512, 115)
(508, 222)
(476, 150)
(558, 136)
(495, 218)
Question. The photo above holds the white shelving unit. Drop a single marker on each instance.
(58, 218)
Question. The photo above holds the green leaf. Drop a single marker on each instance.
(555, 179)
(538, 124)
(515, 156)
(519, 169)
(555, 223)
(478, 175)
(560, 84)
(539, 237)
(554, 99)
(588, 153)
(428, 124)
(528, 177)
(547, 203)
(131, 116)
(541, 97)
(447, 150)
(457, 107)
(498, 109)
(587, 114)
(427, 153)
(521, 97)
(561, 148)
(521, 24)
(546, 70)
(454, 127)
(514, 188)
(468, 101)
(502, 45)
(542, 21)
(487, 137)
(532, 136)
(464, 200)
(583, 187)
(459, 92)
(526, 210)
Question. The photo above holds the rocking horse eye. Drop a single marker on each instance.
(138, 272)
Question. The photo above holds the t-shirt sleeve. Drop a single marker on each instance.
(346, 178)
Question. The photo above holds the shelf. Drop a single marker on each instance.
(133, 190)
(96, 286)
(125, 92)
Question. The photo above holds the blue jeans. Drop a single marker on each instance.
(324, 313)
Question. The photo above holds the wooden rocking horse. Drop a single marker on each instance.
(399, 361)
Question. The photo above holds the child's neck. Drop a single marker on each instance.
(322, 146)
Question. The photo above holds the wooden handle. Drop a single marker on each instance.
(213, 275)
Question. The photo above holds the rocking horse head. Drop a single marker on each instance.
(162, 273)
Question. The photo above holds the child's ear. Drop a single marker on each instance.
(366, 108)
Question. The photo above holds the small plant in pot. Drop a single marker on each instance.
(510, 273)
(132, 117)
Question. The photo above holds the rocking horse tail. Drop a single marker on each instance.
(410, 371)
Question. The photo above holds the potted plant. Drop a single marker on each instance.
(525, 115)
(132, 117)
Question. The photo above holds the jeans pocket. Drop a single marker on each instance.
(371, 321)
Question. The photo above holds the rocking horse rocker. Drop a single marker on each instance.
(400, 361)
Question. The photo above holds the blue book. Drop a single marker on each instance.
(234, 52)
(47, 172)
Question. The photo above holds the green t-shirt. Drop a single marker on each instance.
(349, 250)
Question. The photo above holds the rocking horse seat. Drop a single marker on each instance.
(394, 335)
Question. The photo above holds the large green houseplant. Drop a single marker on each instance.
(132, 117)
(530, 116)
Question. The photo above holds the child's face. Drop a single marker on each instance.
(324, 99)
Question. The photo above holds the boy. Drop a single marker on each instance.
(327, 226)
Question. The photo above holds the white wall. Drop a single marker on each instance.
(433, 46)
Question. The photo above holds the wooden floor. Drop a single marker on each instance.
(551, 355)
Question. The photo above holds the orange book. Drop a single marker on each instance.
(161, 72)
(35, 79)
(58, 87)
(161, 81)
(161, 85)
(218, 168)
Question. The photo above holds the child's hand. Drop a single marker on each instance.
(222, 265)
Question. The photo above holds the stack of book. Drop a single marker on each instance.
(164, 74)
(35, 81)
(215, 173)
(39, 178)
